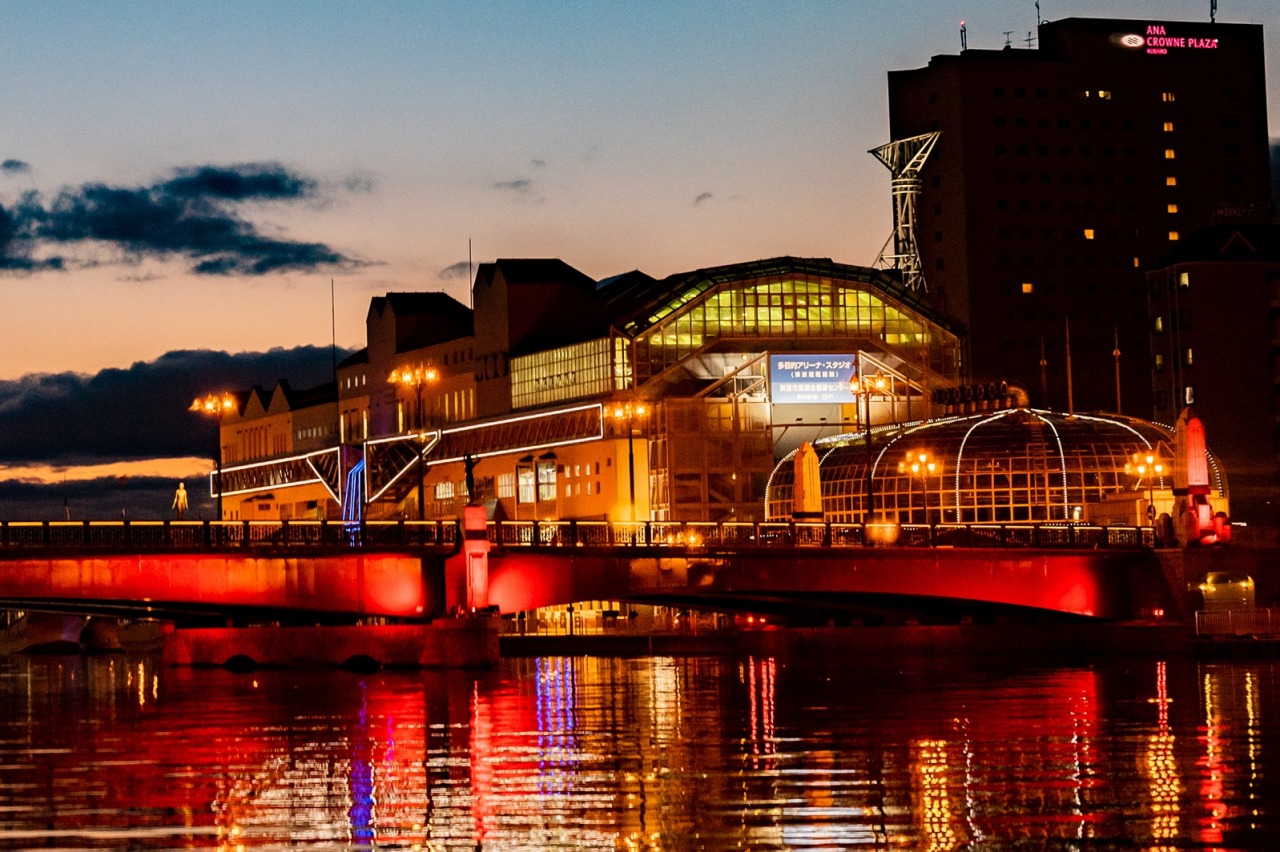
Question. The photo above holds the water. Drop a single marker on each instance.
(633, 754)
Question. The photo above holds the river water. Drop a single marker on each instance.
(661, 753)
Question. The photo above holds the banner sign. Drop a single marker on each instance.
(811, 378)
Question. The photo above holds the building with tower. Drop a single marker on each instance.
(1062, 173)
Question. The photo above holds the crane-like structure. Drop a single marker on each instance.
(905, 158)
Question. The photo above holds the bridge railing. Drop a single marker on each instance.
(784, 534)
(444, 535)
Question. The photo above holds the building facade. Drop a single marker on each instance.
(632, 398)
(1214, 320)
(1062, 173)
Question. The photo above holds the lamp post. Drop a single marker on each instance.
(215, 405)
(417, 377)
(1145, 464)
(628, 413)
(863, 387)
(918, 464)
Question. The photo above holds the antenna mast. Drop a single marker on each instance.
(964, 37)
(1213, 11)
(905, 158)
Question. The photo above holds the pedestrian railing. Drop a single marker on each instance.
(1238, 622)
(25, 536)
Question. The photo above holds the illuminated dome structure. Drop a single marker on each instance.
(1006, 466)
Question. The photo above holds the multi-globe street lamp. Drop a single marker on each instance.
(918, 464)
(1148, 464)
(628, 413)
(418, 377)
(216, 405)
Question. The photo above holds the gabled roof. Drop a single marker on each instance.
(424, 319)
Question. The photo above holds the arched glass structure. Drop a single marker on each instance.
(1002, 466)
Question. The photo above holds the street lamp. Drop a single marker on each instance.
(417, 377)
(863, 387)
(629, 413)
(215, 405)
(918, 464)
(1144, 465)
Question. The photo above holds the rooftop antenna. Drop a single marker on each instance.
(1031, 40)
(471, 281)
(1213, 10)
(905, 158)
(1038, 19)
(1008, 42)
(964, 37)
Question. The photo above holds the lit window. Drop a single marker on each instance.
(1170, 154)
(506, 485)
(1105, 95)
(1028, 287)
(1088, 233)
(1167, 97)
(1187, 360)
(1158, 327)
(1168, 127)
(1136, 263)
(1188, 395)
(1172, 208)
(1184, 280)
(1159, 362)
(444, 490)
(1171, 181)
(1173, 236)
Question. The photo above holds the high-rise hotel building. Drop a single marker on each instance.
(1062, 172)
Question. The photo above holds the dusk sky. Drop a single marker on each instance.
(181, 176)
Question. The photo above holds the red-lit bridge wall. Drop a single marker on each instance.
(347, 584)
(1092, 583)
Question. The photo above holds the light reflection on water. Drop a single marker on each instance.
(657, 753)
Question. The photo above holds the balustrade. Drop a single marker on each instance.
(440, 535)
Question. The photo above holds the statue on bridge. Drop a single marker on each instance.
(180, 501)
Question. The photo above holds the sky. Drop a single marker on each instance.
(187, 179)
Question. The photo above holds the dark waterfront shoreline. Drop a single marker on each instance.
(992, 640)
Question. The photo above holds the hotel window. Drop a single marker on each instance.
(1158, 325)
(1170, 154)
(444, 490)
(1167, 97)
(1159, 362)
(546, 480)
(1187, 360)
(526, 491)
(1184, 280)
(1136, 263)
(1172, 208)
(1171, 181)
(1168, 127)
(1088, 233)
(1173, 236)
(1028, 287)
(506, 486)
(1188, 395)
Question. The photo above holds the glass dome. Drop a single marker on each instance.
(1005, 466)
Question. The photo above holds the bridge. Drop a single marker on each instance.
(343, 573)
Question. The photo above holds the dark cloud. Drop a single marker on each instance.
(454, 271)
(139, 412)
(537, 164)
(192, 215)
(705, 196)
(239, 183)
(14, 166)
(520, 185)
